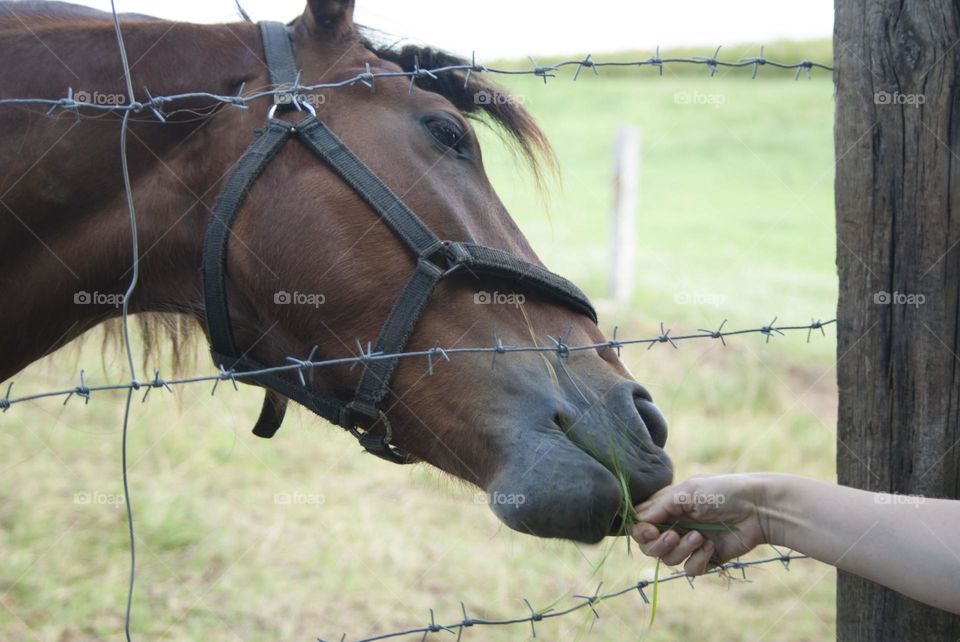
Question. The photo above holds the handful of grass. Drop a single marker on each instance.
(685, 527)
(628, 518)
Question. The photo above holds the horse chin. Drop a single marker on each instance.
(550, 488)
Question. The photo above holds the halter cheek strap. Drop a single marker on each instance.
(435, 260)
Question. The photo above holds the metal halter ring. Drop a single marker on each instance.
(295, 100)
(387, 428)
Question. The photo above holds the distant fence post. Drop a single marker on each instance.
(626, 164)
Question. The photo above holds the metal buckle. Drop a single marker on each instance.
(380, 446)
(380, 416)
(453, 254)
(387, 427)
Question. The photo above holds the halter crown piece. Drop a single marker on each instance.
(435, 259)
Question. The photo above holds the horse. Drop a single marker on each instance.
(325, 214)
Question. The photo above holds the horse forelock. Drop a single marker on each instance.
(500, 107)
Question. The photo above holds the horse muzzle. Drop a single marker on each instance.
(578, 473)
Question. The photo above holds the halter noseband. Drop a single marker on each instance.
(435, 260)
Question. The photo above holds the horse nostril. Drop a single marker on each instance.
(563, 421)
(641, 393)
(654, 420)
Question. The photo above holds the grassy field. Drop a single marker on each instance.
(301, 536)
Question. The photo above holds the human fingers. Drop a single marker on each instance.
(687, 545)
(700, 560)
(662, 545)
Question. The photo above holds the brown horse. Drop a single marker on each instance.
(550, 438)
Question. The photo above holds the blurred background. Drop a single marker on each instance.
(302, 536)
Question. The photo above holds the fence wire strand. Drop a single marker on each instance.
(78, 102)
(583, 602)
(84, 101)
(134, 280)
(431, 356)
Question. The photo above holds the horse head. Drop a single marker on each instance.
(306, 263)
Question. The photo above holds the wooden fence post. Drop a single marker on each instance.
(626, 160)
(897, 142)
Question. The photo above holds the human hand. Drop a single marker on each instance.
(720, 517)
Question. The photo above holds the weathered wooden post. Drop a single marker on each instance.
(626, 161)
(897, 140)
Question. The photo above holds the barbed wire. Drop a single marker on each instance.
(366, 355)
(84, 100)
(586, 601)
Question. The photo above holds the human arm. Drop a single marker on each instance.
(908, 543)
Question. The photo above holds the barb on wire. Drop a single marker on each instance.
(437, 351)
(82, 100)
(768, 330)
(498, 348)
(5, 402)
(367, 354)
(718, 333)
(664, 338)
(81, 391)
(561, 347)
(583, 602)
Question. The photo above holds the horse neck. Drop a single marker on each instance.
(64, 222)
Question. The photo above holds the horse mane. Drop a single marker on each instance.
(506, 112)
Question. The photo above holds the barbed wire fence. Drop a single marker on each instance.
(366, 355)
(583, 602)
(83, 101)
(154, 107)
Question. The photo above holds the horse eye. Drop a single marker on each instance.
(447, 133)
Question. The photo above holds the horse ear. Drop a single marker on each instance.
(334, 16)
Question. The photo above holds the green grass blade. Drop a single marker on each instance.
(656, 591)
(686, 527)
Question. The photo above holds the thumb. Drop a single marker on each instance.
(661, 507)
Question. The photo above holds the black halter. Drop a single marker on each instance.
(435, 260)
